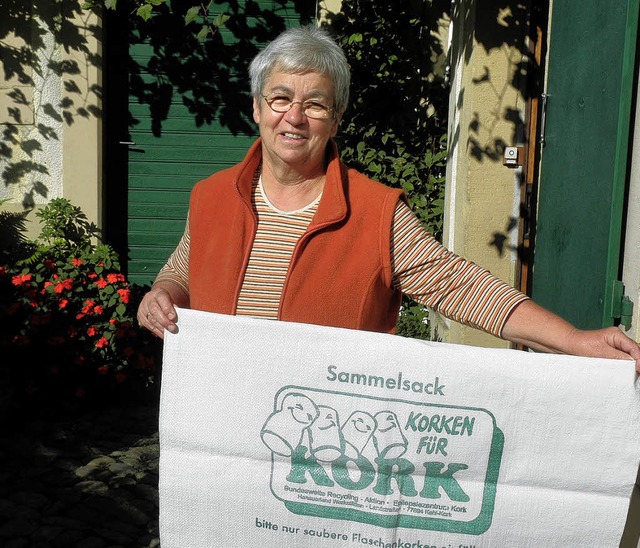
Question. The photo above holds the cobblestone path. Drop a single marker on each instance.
(87, 482)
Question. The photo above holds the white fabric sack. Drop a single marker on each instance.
(276, 434)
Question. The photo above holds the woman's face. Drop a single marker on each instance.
(292, 138)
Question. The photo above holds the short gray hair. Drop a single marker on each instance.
(302, 49)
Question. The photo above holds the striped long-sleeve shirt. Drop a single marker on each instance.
(422, 268)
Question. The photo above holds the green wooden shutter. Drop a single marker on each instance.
(584, 162)
(189, 116)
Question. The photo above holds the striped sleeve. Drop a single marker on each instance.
(434, 276)
(176, 270)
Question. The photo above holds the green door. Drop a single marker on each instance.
(190, 115)
(584, 161)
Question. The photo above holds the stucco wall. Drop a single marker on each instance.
(31, 163)
(486, 113)
(50, 110)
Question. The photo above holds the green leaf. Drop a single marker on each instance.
(191, 15)
(202, 35)
(220, 20)
(145, 11)
(110, 4)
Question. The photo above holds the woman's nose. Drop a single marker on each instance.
(295, 115)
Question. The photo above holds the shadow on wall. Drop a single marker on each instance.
(44, 89)
(506, 30)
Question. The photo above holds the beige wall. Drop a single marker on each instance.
(82, 142)
(330, 6)
(482, 195)
(52, 112)
(631, 268)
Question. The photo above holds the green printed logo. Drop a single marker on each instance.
(391, 463)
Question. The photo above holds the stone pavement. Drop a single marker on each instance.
(86, 482)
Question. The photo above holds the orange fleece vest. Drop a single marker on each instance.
(340, 272)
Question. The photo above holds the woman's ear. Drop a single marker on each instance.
(256, 111)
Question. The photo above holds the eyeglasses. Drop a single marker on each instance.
(282, 103)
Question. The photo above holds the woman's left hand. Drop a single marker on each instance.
(540, 329)
(609, 342)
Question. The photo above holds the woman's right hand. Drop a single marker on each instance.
(157, 312)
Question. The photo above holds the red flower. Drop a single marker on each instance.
(62, 303)
(125, 295)
(92, 275)
(64, 284)
(98, 309)
(2, 270)
(21, 280)
(79, 360)
(102, 283)
(115, 277)
(47, 284)
(79, 316)
(92, 331)
(76, 262)
(113, 321)
(88, 306)
(49, 263)
(103, 370)
(102, 342)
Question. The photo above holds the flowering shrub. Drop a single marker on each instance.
(67, 316)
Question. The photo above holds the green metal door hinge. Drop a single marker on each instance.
(621, 305)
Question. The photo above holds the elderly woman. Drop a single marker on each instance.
(292, 234)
